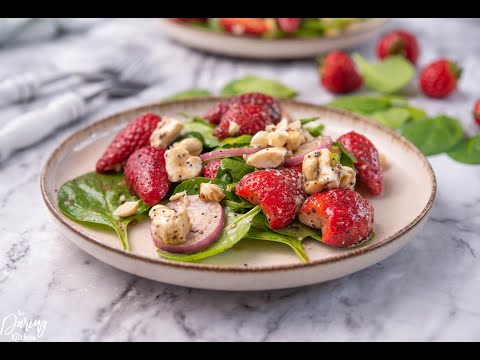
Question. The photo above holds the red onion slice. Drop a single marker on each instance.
(217, 154)
(317, 144)
(207, 219)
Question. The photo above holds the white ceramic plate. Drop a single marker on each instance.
(255, 48)
(400, 212)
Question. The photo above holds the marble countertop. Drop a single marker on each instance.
(428, 291)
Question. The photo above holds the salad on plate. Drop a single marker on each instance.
(245, 170)
(275, 27)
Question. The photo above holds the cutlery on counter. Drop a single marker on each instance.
(33, 126)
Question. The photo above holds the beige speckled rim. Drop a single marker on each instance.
(92, 128)
(364, 26)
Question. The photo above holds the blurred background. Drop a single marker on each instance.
(147, 66)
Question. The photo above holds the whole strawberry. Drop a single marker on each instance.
(368, 161)
(476, 112)
(210, 169)
(146, 176)
(243, 119)
(289, 25)
(439, 79)
(338, 73)
(133, 137)
(345, 218)
(279, 192)
(247, 26)
(398, 43)
(269, 104)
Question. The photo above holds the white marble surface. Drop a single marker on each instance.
(427, 291)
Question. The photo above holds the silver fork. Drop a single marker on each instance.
(26, 87)
(29, 128)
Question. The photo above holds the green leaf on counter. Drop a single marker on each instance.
(189, 94)
(251, 83)
(387, 76)
(204, 128)
(392, 118)
(364, 104)
(435, 135)
(236, 228)
(92, 198)
(467, 151)
(414, 112)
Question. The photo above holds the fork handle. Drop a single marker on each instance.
(35, 125)
(19, 88)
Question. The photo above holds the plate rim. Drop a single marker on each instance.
(221, 268)
(373, 23)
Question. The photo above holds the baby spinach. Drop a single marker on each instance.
(467, 151)
(201, 126)
(93, 197)
(346, 157)
(236, 228)
(291, 235)
(393, 118)
(387, 76)
(435, 135)
(300, 231)
(192, 187)
(308, 120)
(270, 235)
(233, 170)
(316, 131)
(189, 94)
(364, 104)
(252, 83)
(236, 142)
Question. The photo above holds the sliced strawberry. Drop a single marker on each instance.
(345, 218)
(146, 176)
(210, 170)
(279, 192)
(241, 26)
(269, 104)
(249, 119)
(289, 25)
(133, 137)
(368, 161)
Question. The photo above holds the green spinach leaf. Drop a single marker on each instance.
(189, 94)
(270, 235)
(93, 197)
(364, 104)
(236, 142)
(204, 128)
(392, 118)
(467, 151)
(435, 135)
(308, 120)
(252, 83)
(236, 228)
(233, 169)
(387, 76)
(316, 131)
(346, 157)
